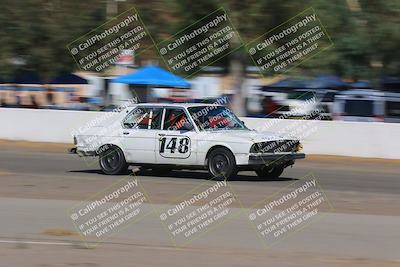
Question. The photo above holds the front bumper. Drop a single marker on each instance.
(275, 159)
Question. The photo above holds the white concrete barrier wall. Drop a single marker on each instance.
(359, 139)
(40, 125)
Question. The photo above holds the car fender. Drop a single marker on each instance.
(240, 150)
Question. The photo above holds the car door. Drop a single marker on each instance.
(177, 140)
(139, 131)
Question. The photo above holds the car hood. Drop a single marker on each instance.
(244, 135)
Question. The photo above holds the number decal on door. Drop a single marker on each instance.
(175, 147)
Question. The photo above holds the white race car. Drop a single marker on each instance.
(163, 137)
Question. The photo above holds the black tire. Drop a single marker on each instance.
(112, 161)
(221, 164)
(268, 173)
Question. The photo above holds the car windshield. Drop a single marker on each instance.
(215, 118)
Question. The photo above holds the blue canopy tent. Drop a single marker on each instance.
(28, 81)
(27, 78)
(68, 89)
(151, 76)
(22, 90)
(67, 79)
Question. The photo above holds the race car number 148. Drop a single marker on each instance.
(175, 146)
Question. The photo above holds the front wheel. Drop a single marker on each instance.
(221, 164)
(112, 161)
(269, 173)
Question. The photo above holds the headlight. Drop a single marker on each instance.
(299, 147)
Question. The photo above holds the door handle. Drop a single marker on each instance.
(161, 134)
(125, 133)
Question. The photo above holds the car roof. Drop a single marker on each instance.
(177, 105)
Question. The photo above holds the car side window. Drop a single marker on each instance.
(156, 115)
(176, 120)
(143, 118)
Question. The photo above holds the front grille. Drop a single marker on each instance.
(275, 146)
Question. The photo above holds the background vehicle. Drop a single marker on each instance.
(301, 103)
(392, 107)
(359, 105)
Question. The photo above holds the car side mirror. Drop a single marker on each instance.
(128, 125)
(187, 126)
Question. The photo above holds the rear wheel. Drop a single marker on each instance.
(112, 161)
(269, 173)
(221, 164)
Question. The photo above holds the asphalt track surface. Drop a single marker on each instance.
(40, 183)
